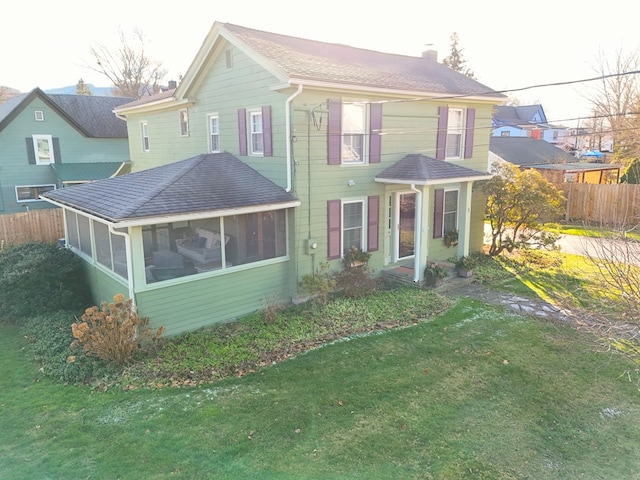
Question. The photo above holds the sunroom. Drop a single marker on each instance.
(208, 224)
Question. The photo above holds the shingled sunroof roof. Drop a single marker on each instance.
(205, 183)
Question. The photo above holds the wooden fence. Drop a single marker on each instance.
(41, 225)
(612, 205)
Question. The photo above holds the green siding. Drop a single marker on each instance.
(74, 147)
(206, 301)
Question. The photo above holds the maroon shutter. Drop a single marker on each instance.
(438, 210)
(242, 130)
(333, 229)
(266, 131)
(31, 151)
(441, 141)
(373, 215)
(468, 134)
(334, 132)
(375, 139)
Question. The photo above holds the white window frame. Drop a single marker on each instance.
(362, 226)
(38, 115)
(256, 129)
(43, 159)
(145, 136)
(184, 122)
(455, 130)
(354, 124)
(214, 146)
(446, 212)
(36, 199)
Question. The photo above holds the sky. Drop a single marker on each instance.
(46, 44)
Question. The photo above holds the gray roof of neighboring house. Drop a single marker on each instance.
(92, 115)
(527, 151)
(88, 172)
(205, 183)
(420, 169)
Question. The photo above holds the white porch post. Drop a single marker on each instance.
(464, 232)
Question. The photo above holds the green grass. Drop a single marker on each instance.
(475, 393)
(593, 231)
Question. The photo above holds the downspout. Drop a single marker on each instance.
(418, 240)
(288, 134)
(127, 246)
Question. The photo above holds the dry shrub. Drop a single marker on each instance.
(114, 332)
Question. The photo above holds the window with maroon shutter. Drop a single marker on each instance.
(441, 140)
(333, 229)
(438, 210)
(334, 132)
(266, 131)
(373, 215)
(375, 126)
(469, 131)
(242, 130)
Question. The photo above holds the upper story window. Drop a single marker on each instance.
(455, 133)
(38, 115)
(145, 136)
(354, 133)
(354, 119)
(214, 133)
(184, 122)
(43, 149)
(257, 142)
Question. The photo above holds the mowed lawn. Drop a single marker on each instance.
(476, 393)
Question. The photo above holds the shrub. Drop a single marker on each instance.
(320, 283)
(39, 277)
(49, 339)
(355, 282)
(114, 332)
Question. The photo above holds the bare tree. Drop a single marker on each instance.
(128, 68)
(615, 98)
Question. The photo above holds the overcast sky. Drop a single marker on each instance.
(46, 44)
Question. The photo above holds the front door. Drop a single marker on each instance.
(405, 225)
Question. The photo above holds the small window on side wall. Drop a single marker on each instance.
(184, 123)
(39, 115)
(214, 133)
(31, 193)
(43, 149)
(145, 136)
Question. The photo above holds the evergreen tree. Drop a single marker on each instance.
(632, 172)
(455, 60)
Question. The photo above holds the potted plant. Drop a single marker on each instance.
(464, 266)
(434, 274)
(356, 257)
(451, 238)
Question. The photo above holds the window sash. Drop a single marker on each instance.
(145, 136)
(184, 123)
(43, 149)
(353, 133)
(450, 211)
(352, 225)
(455, 131)
(30, 193)
(214, 134)
(257, 138)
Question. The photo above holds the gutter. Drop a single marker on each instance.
(418, 239)
(288, 134)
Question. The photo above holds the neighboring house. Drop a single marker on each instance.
(273, 157)
(526, 121)
(581, 140)
(51, 141)
(554, 164)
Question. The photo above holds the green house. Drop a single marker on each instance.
(50, 141)
(275, 155)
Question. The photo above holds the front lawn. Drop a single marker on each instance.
(475, 393)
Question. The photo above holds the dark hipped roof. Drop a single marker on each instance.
(423, 170)
(92, 115)
(87, 172)
(527, 151)
(205, 183)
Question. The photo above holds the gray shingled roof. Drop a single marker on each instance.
(87, 172)
(517, 115)
(329, 62)
(92, 115)
(204, 183)
(421, 170)
(527, 151)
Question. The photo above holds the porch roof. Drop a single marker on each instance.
(422, 170)
(87, 172)
(200, 185)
